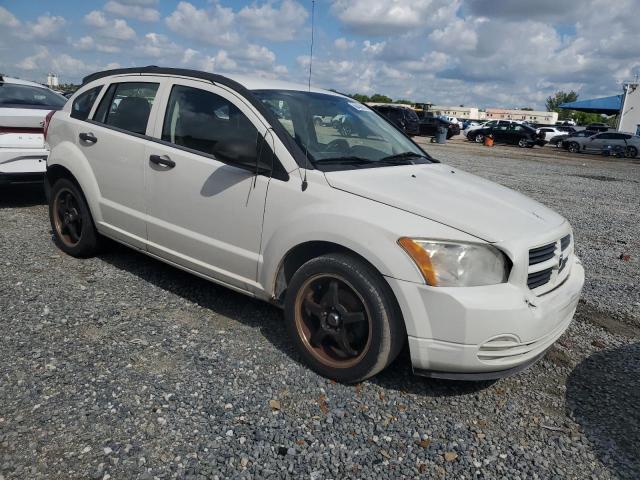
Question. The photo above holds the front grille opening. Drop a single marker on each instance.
(534, 280)
(541, 254)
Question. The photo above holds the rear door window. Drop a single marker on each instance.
(127, 106)
(82, 105)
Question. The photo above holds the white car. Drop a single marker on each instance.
(366, 241)
(23, 109)
(550, 132)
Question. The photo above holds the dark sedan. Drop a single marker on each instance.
(510, 133)
(404, 118)
(429, 126)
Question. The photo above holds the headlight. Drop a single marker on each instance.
(449, 264)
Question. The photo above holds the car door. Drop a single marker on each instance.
(500, 132)
(205, 203)
(114, 141)
(596, 143)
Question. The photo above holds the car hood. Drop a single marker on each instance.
(452, 197)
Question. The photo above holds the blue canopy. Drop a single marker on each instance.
(606, 105)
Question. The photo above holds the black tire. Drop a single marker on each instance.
(385, 332)
(83, 240)
(631, 152)
(478, 138)
(522, 143)
(573, 147)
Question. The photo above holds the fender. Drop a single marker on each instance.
(68, 155)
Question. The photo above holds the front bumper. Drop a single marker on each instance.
(483, 332)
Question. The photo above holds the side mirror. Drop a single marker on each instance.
(239, 153)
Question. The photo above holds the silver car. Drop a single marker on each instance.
(600, 142)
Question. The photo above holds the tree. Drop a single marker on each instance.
(527, 109)
(379, 98)
(553, 103)
(359, 97)
(403, 100)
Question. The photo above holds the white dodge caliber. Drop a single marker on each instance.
(365, 241)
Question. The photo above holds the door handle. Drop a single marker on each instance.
(162, 160)
(88, 137)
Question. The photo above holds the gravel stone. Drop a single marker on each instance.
(95, 351)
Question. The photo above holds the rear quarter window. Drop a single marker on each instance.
(82, 105)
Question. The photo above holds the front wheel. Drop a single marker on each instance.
(574, 147)
(71, 222)
(479, 138)
(343, 318)
(631, 152)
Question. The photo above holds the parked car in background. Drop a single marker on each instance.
(405, 118)
(560, 141)
(504, 131)
(598, 127)
(548, 132)
(368, 244)
(566, 129)
(626, 142)
(24, 107)
(322, 120)
(429, 126)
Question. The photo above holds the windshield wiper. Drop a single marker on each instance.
(401, 158)
(350, 160)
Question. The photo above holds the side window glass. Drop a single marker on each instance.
(206, 122)
(127, 106)
(82, 105)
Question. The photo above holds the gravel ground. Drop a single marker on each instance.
(122, 367)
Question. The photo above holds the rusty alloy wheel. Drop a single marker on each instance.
(67, 218)
(333, 321)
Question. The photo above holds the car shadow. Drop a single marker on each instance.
(22, 195)
(603, 397)
(268, 319)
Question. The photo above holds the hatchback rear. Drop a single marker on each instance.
(23, 110)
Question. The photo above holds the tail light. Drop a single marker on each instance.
(47, 121)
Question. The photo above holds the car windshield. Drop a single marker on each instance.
(27, 96)
(336, 132)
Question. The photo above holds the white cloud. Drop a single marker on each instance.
(384, 17)
(7, 19)
(343, 44)
(276, 24)
(144, 14)
(157, 45)
(215, 26)
(46, 27)
(117, 29)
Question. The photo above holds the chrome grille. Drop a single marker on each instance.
(547, 264)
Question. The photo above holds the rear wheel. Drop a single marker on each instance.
(343, 318)
(631, 152)
(71, 221)
(574, 147)
(522, 143)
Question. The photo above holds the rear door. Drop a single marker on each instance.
(114, 143)
(205, 202)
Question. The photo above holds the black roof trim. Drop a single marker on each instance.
(277, 127)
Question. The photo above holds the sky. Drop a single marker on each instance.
(486, 53)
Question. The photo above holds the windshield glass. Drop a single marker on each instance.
(338, 132)
(27, 96)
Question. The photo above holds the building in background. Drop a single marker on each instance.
(471, 113)
(52, 80)
(629, 117)
(532, 116)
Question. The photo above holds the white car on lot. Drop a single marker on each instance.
(23, 110)
(366, 242)
(550, 132)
